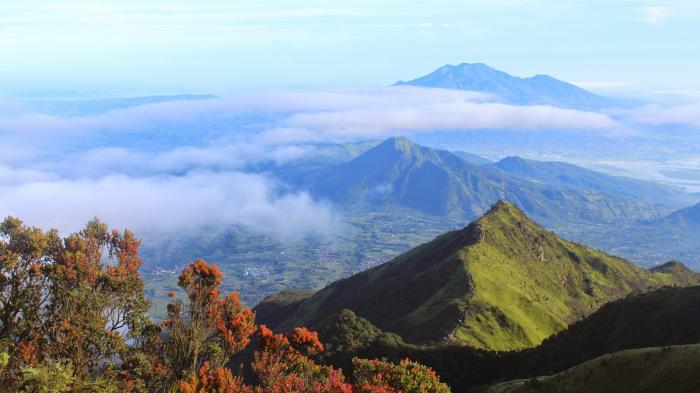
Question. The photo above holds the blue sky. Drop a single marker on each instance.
(157, 46)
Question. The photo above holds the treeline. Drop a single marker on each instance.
(73, 318)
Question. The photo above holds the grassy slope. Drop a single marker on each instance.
(668, 316)
(416, 295)
(502, 283)
(530, 284)
(668, 369)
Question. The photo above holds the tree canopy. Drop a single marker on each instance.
(74, 318)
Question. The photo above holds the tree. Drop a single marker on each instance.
(72, 303)
(283, 365)
(376, 376)
(73, 318)
(207, 330)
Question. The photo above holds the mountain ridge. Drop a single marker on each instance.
(438, 182)
(501, 283)
(536, 90)
(687, 218)
(564, 174)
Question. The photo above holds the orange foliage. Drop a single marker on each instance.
(67, 302)
(28, 353)
(219, 380)
(234, 322)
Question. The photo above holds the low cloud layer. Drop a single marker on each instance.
(445, 116)
(176, 165)
(394, 110)
(655, 115)
(167, 204)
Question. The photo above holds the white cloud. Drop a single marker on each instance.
(656, 115)
(439, 117)
(219, 157)
(10, 176)
(167, 204)
(179, 165)
(374, 110)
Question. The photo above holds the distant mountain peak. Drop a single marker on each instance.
(536, 90)
(513, 159)
(679, 271)
(398, 142)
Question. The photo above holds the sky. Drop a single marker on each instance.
(128, 47)
(289, 76)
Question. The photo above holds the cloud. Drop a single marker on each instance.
(168, 204)
(155, 116)
(449, 116)
(655, 14)
(180, 165)
(376, 111)
(656, 115)
(10, 176)
(221, 157)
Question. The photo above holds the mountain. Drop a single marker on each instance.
(536, 90)
(432, 181)
(659, 318)
(438, 182)
(562, 174)
(668, 316)
(661, 369)
(681, 273)
(688, 218)
(656, 333)
(472, 158)
(501, 283)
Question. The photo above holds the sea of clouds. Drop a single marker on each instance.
(175, 165)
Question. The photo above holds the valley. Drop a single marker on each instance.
(617, 215)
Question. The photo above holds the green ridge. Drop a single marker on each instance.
(664, 369)
(502, 283)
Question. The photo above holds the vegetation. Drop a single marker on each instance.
(377, 225)
(73, 319)
(368, 237)
(688, 218)
(667, 316)
(440, 183)
(565, 175)
(502, 283)
(665, 369)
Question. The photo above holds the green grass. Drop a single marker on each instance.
(503, 283)
(366, 237)
(674, 369)
(530, 284)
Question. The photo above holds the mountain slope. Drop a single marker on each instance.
(562, 174)
(680, 272)
(663, 317)
(668, 316)
(688, 218)
(536, 90)
(501, 283)
(440, 183)
(432, 181)
(667, 369)
(472, 158)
